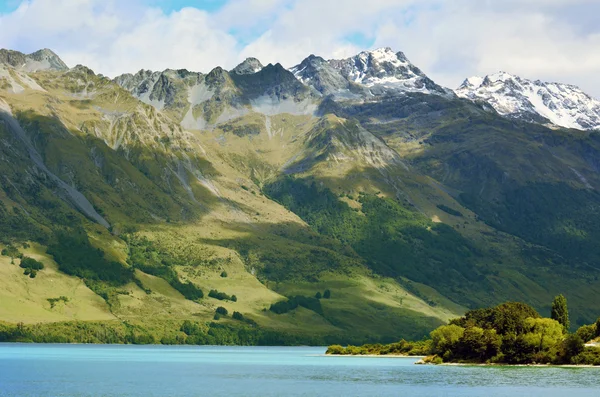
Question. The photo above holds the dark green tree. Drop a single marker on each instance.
(597, 327)
(327, 294)
(221, 310)
(318, 295)
(560, 312)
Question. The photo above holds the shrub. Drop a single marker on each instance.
(12, 252)
(327, 294)
(222, 296)
(30, 263)
(54, 301)
(223, 274)
(587, 332)
(217, 316)
(293, 302)
(190, 328)
(445, 338)
(335, 349)
(318, 295)
(221, 310)
(238, 316)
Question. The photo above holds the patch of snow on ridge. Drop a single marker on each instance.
(271, 106)
(199, 93)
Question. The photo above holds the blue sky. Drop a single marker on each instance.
(450, 40)
(176, 5)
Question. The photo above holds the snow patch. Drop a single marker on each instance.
(271, 106)
(199, 93)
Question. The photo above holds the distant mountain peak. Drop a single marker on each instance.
(249, 66)
(378, 72)
(563, 105)
(44, 59)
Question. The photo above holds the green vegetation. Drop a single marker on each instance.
(222, 296)
(30, 263)
(510, 333)
(402, 348)
(449, 210)
(560, 312)
(11, 251)
(75, 256)
(54, 301)
(221, 310)
(394, 240)
(31, 266)
(293, 302)
(144, 255)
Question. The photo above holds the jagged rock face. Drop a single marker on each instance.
(249, 66)
(273, 81)
(534, 101)
(158, 89)
(40, 60)
(318, 73)
(370, 73)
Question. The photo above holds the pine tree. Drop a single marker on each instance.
(560, 312)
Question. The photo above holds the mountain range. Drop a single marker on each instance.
(407, 201)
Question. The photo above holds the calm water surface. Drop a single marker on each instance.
(107, 371)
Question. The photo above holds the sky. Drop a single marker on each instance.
(450, 40)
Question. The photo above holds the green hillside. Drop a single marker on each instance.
(408, 210)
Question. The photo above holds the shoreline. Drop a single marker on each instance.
(463, 364)
(517, 365)
(372, 355)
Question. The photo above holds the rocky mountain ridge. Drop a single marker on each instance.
(534, 101)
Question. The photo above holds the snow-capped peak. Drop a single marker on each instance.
(512, 96)
(378, 72)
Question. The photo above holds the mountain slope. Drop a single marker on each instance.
(359, 176)
(535, 101)
(166, 193)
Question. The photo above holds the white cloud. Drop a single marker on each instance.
(114, 38)
(449, 39)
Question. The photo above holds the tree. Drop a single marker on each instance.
(560, 312)
(221, 310)
(544, 333)
(587, 332)
(327, 294)
(572, 346)
(445, 338)
(318, 295)
(598, 327)
(238, 316)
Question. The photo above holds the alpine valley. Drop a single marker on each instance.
(350, 200)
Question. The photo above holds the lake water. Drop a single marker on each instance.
(110, 371)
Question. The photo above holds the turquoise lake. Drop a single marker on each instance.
(110, 371)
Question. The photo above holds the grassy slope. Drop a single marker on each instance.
(233, 211)
(222, 221)
(26, 300)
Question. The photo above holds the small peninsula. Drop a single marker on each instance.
(511, 333)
